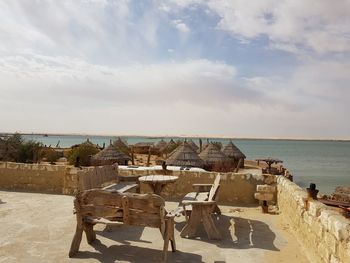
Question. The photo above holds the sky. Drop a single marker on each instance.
(234, 68)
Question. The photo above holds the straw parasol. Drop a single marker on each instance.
(171, 146)
(212, 155)
(233, 151)
(193, 145)
(110, 155)
(87, 142)
(184, 155)
(161, 145)
(122, 146)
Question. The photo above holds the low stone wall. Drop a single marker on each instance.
(32, 177)
(235, 189)
(55, 179)
(323, 232)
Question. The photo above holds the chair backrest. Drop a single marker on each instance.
(97, 177)
(129, 208)
(213, 193)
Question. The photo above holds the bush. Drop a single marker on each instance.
(51, 155)
(29, 152)
(84, 153)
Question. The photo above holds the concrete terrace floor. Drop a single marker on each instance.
(40, 227)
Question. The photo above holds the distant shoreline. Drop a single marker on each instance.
(180, 136)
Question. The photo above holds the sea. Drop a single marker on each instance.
(325, 163)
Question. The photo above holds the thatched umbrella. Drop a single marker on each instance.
(184, 155)
(211, 155)
(170, 147)
(161, 145)
(235, 153)
(122, 146)
(87, 142)
(110, 155)
(193, 145)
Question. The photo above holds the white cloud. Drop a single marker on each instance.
(322, 26)
(60, 94)
(181, 26)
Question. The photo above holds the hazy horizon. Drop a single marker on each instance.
(208, 68)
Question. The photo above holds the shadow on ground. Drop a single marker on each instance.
(238, 233)
(123, 235)
(126, 253)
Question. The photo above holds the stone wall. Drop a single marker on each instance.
(32, 177)
(322, 231)
(55, 179)
(235, 189)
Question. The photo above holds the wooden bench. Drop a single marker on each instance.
(198, 208)
(104, 177)
(98, 206)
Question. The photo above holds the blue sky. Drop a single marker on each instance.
(170, 67)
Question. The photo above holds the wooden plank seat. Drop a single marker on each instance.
(198, 208)
(122, 187)
(102, 206)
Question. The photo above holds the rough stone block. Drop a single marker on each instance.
(334, 259)
(317, 228)
(324, 252)
(325, 214)
(331, 242)
(265, 188)
(263, 196)
(315, 208)
(339, 227)
(270, 179)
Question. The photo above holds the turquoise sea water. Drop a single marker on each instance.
(326, 163)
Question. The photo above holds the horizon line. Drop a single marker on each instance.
(181, 136)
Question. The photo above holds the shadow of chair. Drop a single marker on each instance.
(238, 233)
(126, 253)
(251, 233)
(122, 234)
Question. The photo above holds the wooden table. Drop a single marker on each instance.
(157, 182)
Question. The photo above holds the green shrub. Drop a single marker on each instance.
(29, 152)
(50, 154)
(84, 152)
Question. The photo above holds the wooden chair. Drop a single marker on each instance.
(198, 208)
(95, 206)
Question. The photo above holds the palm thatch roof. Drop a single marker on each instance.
(184, 155)
(122, 146)
(170, 147)
(193, 145)
(233, 151)
(211, 155)
(110, 155)
(161, 145)
(87, 142)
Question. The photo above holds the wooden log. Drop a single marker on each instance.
(89, 232)
(125, 203)
(74, 248)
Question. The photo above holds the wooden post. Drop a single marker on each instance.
(132, 156)
(149, 156)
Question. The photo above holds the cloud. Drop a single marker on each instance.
(195, 81)
(322, 26)
(117, 66)
(182, 27)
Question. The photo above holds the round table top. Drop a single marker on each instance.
(158, 178)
